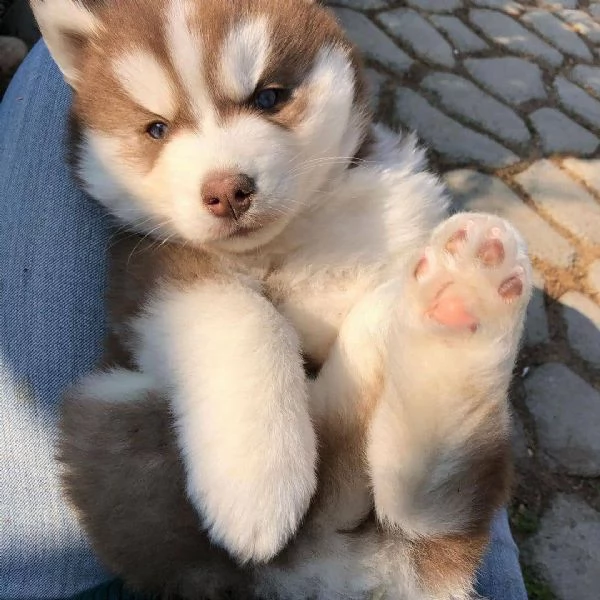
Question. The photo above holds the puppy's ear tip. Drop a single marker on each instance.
(65, 25)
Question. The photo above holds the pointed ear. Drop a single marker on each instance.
(66, 25)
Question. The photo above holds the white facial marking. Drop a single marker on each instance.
(244, 56)
(185, 48)
(330, 128)
(146, 82)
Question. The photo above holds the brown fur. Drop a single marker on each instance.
(124, 475)
(447, 561)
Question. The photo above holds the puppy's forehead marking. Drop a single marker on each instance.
(146, 82)
(244, 56)
(185, 49)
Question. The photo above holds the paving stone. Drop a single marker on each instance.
(558, 4)
(594, 276)
(463, 38)
(512, 8)
(566, 410)
(375, 80)
(373, 42)
(461, 97)
(515, 80)
(520, 447)
(587, 170)
(536, 324)
(443, 6)
(577, 101)
(558, 133)
(582, 23)
(588, 77)
(364, 4)
(582, 316)
(478, 192)
(557, 33)
(506, 32)
(566, 201)
(566, 549)
(453, 141)
(419, 35)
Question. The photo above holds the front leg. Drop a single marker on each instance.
(232, 366)
(438, 445)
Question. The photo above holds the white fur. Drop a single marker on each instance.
(244, 56)
(146, 82)
(185, 49)
(331, 111)
(56, 18)
(234, 368)
(429, 411)
(119, 185)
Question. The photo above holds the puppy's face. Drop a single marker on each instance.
(210, 121)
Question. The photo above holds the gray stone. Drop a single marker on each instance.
(536, 325)
(443, 6)
(507, 6)
(461, 97)
(588, 77)
(559, 134)
(520, 447)
(594, 276)
(372, 41)
(557, 33)
(463, 38)
(595, 10)
(513, 79)
(566, 549)
(478, 192)
(374, 80)
(419, 35)
(12, 53)
(586, 170)
(364, 4)
(582, 23)
(576, 101)
(582, 316)
(564, 200)
(453, 141)
(558, 4)
(506, 32)
(566, 410)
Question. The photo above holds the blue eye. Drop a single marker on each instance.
(268, 98)
(157, 130)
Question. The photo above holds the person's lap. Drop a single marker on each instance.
(52, 271)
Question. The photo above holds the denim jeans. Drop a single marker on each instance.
(53, 243)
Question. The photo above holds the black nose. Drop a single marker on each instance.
(228, 194)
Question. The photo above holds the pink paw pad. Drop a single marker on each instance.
(475, 255)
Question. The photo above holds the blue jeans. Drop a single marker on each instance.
(53, 244)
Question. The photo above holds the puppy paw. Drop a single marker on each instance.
(261, 520)
(253, 500)
(474, 276)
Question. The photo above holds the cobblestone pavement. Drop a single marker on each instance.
(507, 96)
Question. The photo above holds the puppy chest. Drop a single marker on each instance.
(317, 305)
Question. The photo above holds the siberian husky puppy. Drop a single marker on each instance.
(272, 225)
